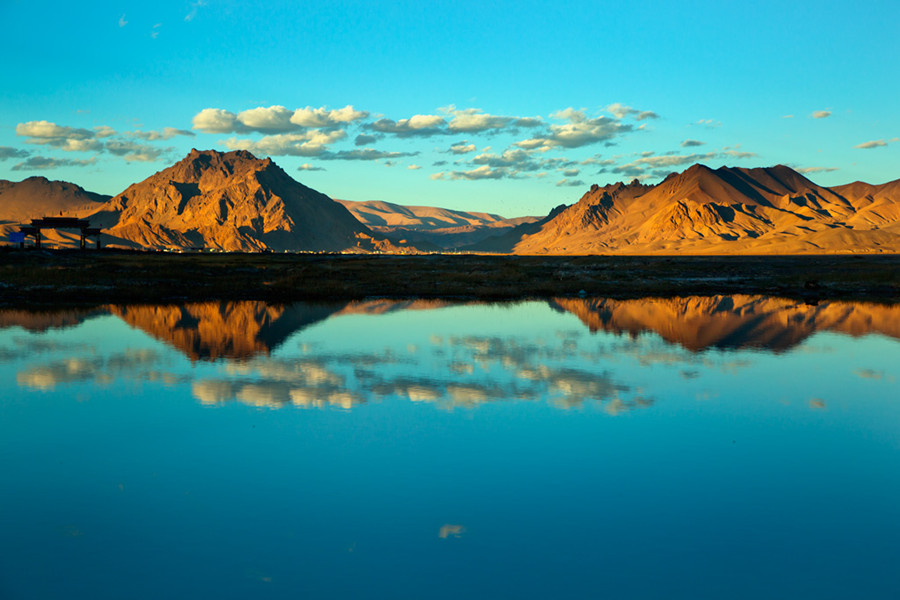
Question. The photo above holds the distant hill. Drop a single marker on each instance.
(723, 211)
(231, 201)
(36, 197)
(442, 227)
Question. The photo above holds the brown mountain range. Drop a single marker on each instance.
(234, 201)
(231, 201)
(772, 210)
(426, 226)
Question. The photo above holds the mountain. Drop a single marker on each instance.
(723, 211)
(231, 201)
(36, 197)
(214, 330)
(442, 227)
(698, 323)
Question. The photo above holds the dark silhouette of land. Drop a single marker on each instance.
(33, 278)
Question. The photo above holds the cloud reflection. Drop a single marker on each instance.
(131, 364)
(567, 370)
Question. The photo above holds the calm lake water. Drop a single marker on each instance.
(724, 447)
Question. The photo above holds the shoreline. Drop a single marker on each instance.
(41, 278)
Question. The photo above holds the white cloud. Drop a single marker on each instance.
(817, 169)
(348, 114)
(41, 163)
(462, 148)
(309, 167)
(691, 143)
(104, 132)
(482, 172)
(820, 114)
(165, 133)
(274, 119)
(364, 154)
(736, 153)
(195, 6)
(620, 111)
(414, 167)
(711, 123)
(69, 139)
(579, 131)
(474, 120)
(307, 143)
(871, 144)
(528, 122)
(122, 21)
(532, 143)
(596, 160)
(214, 120)
(323, 117)
(569, 183)
(415, 126)
(569, 114)
(639, 167)
(585, 132)
(134, 151)
(45, 130)
(517, 159)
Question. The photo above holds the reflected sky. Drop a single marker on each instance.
(746, 448)
(341, 356)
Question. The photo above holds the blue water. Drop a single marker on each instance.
(451, 452)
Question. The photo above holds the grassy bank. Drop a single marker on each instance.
(30, 277)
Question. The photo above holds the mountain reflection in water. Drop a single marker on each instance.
(464, 370)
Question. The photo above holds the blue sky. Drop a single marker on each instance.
(505, 107)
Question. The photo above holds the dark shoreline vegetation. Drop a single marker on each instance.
(45, 278)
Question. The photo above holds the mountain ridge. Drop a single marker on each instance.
(234, 201)
(723, 211)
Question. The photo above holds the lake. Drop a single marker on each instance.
(703, 447)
